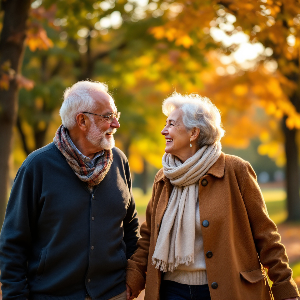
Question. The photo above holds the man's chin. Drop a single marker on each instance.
(108, 144)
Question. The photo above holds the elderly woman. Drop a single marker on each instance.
(207, 233)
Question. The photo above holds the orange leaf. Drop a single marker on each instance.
(4, 82)
(24, 82)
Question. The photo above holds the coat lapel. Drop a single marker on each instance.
(163, 199)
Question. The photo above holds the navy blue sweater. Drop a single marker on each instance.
(59, 240)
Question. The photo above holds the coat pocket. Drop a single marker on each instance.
(253, 276)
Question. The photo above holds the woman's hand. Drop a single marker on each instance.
(129, 293)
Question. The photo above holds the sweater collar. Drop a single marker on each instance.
(217, 170)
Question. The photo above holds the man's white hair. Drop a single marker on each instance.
(77, 98)
(198, 112)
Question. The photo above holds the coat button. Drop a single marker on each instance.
(204, 182)
(214, 285)
(205, 223)
(92, 248)
(209, 254)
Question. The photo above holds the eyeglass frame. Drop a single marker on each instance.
(109, 117)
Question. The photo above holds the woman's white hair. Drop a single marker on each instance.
(77, 98)
(198, 112)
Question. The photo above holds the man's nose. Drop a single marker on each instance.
(115, 123)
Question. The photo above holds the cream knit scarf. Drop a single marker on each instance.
(176, 240)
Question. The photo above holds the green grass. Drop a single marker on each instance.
(296, 269)
(141, 200)
(275, 201)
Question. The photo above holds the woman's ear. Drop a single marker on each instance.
(195, 133)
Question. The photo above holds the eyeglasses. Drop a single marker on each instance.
(108, 118)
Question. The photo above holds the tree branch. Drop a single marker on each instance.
(22, 135)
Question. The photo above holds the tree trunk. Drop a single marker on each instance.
(292, 174)
(40, 137)
(11, 50)
(22, 136)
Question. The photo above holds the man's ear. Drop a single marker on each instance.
(195, 133)
(82, 121)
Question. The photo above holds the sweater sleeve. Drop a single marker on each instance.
(130, 222)
(137, 264)
(271, 252)
(15, 238)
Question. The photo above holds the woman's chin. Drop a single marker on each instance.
(169, 151)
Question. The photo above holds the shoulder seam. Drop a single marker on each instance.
(34, 155)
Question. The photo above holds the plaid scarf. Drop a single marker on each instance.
(91, 175)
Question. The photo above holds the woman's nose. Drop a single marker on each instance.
(164, 131)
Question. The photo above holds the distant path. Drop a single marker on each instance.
(290, 237)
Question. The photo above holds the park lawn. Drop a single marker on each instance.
(141, 200)
(296, 272)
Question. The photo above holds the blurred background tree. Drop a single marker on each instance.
(11, 54)
(269, 30)
(244, 55)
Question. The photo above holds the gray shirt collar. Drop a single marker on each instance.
(89, 161)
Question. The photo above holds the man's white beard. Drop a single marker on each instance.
(98, 138)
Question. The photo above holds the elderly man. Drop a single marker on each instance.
(71, 223)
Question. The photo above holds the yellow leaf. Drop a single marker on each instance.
(264, 136)
(240, 90)
(262, 149)
(280, 161)
(171, 34)
(39, 103)
(290, 123)
(129, 79)
(278, 114)
(158, 32)
(258, 89)
(271, 108)
(4, 82)
(42, 125)
(136, 163)
(185, 41)
(37, 39)
(297, 122)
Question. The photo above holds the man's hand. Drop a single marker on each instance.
(128, 293)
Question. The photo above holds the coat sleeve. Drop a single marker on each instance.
(16, 236)
(271, 252)
(130, 222)
(137, 264)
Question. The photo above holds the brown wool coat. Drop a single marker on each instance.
(236, 229)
